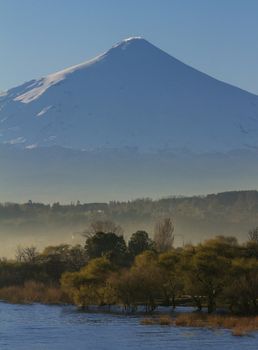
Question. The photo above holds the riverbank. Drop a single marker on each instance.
(183, 316)
(240, 326)
(33, 292)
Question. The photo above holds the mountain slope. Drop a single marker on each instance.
(134, 95)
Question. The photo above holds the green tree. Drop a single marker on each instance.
(107, 244)
(241, 292)
(139, 242)
(206, 275)
(140, 285)
(222, 246)
(172, 282)
(148, 279)
(125, 284)
(87, 287)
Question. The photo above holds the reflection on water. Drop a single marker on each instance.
(38, 327)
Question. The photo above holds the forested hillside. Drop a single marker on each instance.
(195, 218)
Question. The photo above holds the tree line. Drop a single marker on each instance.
(147, 272)
(227, 207)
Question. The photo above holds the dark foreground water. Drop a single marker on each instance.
(36, 327)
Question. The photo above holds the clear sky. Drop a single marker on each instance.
(219, 37)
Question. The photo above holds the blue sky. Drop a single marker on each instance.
(219, 37)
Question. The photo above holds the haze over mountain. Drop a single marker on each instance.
(134, 95)
(132, 122)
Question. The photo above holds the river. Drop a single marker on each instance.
(40, 327)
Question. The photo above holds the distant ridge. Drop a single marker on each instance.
(196, 218)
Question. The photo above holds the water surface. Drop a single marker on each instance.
(40, 327)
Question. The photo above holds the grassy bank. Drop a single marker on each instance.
(239, 326)
(33, 292)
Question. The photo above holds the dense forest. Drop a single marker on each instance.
(195, 218)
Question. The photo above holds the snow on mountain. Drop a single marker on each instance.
(134, 95)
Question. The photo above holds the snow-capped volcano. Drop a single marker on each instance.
(134, 95)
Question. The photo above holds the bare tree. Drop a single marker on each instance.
(27, 255)
(104, 226)
(253, 235)
(163, 235)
